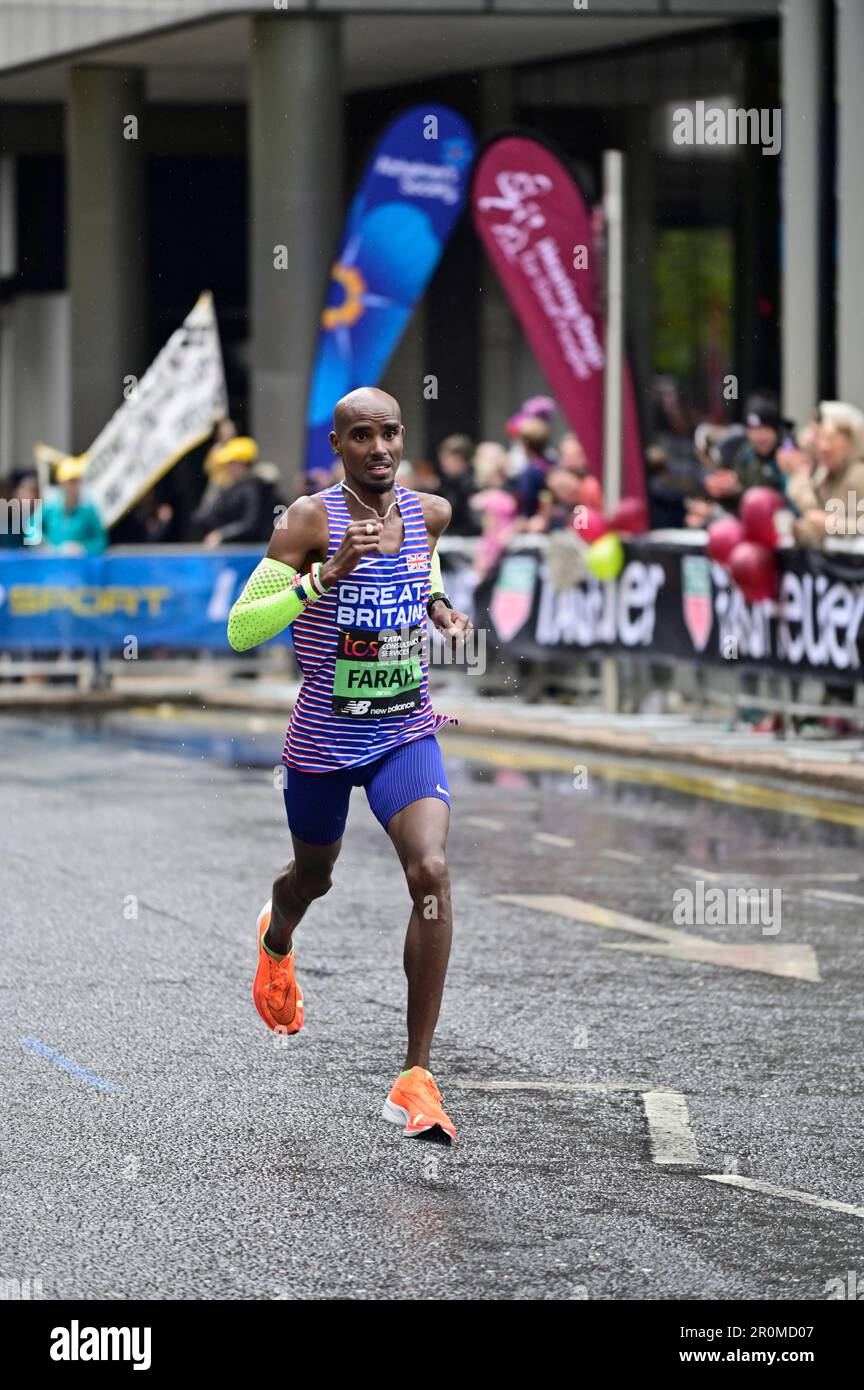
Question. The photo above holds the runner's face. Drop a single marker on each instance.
(371, 448)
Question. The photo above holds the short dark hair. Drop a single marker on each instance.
(457, 444)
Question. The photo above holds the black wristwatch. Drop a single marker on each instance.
(437, 598)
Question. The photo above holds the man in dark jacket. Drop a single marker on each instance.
(457, 483)
(748, 462)
(238, 507)
(754, 461)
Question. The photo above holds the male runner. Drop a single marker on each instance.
(352, 569)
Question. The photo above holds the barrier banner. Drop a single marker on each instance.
(409, 200)
(669, 601)
(157, 596)
(50, 602)
(672, 601)
(536, 229)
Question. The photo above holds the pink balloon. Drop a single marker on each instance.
(590, 492)
(723, 537)
(754, 570)
(757, 509)
(589, 524)
(630, 517)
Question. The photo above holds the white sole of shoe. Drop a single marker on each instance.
(398, 1115)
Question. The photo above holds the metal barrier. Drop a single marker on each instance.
(198, 586)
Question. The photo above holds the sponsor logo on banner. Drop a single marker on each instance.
(816, 621)
(513, 595)
(622, 612)
(696, 599)
(410, 197)
(538, 232)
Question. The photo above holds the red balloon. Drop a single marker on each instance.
(630, 517)
(589, 524)
(723, 536)
(754, 570)
(757, 509)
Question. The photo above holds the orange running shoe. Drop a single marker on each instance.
(277, 995)
(415, 1103)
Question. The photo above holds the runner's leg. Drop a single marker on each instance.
(419, 834)
(317, 809)
(307, 877)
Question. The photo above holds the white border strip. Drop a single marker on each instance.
(669, 1129)
(754, 1185)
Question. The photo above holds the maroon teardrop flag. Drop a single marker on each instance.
(536, 229)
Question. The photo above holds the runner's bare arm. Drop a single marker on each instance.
(437, 514)
(300, 535)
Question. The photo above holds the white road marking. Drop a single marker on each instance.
(669, 1129)
(697, 871)
(622, 855)
(797, 962)
(669, 1132)
(754, 1185)
(775, 874)
(828, 896)
(561, 841)
(553, 1085)
(819, 878)
(484, 822)
(789, 962)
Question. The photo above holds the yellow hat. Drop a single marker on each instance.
(239, 450)
(70, 468)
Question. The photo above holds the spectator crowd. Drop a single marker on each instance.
(530, 483)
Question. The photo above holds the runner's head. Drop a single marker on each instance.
(368, 436)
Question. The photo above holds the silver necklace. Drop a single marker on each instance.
(377, 516)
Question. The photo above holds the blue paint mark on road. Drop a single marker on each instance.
(72, 1067)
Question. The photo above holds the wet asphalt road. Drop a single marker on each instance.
(228, 1164)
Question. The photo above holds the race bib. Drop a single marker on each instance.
(377, 673)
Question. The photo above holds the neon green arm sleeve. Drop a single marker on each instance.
(270, 601)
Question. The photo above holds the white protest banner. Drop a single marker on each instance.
(172, 409)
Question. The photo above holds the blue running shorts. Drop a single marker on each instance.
(317, 802)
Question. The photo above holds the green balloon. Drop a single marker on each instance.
(605, 558)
